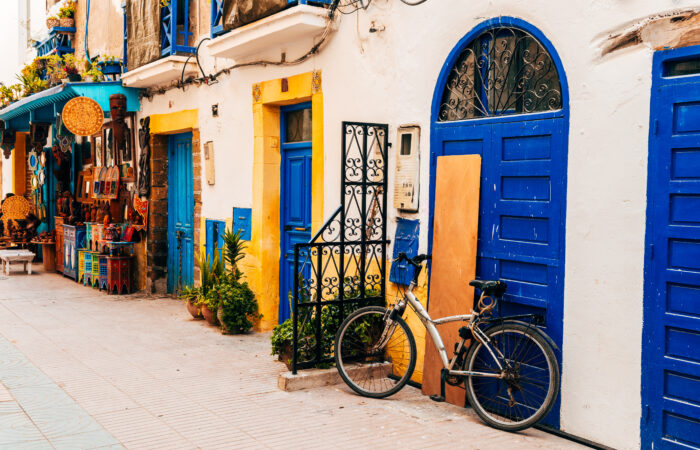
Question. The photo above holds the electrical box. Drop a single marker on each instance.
(209, 162)
(407, 176)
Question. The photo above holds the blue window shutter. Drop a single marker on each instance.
(215, 230)
(241, 221)
(406, 241)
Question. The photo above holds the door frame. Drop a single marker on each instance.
(283, 110)
(649, 390)
(172, 284)
(439, 129)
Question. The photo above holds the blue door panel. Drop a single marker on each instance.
(671, 332)
(180, 212)
(521, 212)
(295, 209)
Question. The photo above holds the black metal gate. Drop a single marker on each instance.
(343, 267)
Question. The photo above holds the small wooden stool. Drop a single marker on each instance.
(11, 256)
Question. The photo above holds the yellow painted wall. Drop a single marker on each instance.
(19, 165)
(175, 122)
(421, 293)
(262, 264)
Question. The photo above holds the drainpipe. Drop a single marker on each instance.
(87, 22)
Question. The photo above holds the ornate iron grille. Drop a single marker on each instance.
(343, 267)
(503, 71)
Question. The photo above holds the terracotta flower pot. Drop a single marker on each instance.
(285, 355)
(52, 22)
(195, 311)
(67, 22)
(209, 315)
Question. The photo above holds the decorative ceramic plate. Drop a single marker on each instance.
(42, 158)
(42, 177)
(35, 182)
(83, 116)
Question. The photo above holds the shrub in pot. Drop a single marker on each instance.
(66, 15)
(52, 22)
(192, 297)
(237, 306)
(211, 271)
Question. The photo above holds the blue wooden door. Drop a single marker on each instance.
(521, 212)
(295, 198)
(671, 335)
(180, 212)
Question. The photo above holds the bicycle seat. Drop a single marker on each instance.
(490, 288)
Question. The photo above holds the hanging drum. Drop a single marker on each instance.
(83, 116)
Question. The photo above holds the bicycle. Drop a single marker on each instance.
(509, 368)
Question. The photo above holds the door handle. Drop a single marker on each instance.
(290, 228)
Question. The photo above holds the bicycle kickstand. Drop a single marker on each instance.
(440, 398)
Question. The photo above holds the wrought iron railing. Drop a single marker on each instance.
(60, 42)
(343, 267)
(176, 36)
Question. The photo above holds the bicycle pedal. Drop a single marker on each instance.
(437, 398)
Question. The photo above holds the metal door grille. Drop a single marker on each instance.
(343, 267)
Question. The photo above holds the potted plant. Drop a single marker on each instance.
(211, 272)
(92, 73)
(54, 69)
(110, 65)
(66, 15)
(192, 296)
(70, 67)
(52, 22)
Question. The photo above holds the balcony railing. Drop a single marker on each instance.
(176, 36)
(60, 42)
(217, 13)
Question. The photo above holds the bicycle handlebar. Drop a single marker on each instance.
(416, 261)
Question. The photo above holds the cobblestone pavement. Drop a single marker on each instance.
(80, 369)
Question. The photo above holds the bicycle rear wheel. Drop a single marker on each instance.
(375, 356)
(529, 380)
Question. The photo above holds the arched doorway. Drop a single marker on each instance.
(502, 94)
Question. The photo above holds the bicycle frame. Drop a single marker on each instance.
(430, 326)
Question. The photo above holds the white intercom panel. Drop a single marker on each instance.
(407, 174)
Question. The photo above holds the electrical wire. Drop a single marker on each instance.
(87, 22)
(182, 83)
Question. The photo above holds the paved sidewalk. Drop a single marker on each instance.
(138, 372)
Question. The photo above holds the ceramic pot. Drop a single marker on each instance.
(75, 77)
(285, 355)
(209, 315)
(67, 22)
(195, 311)
(52, 23)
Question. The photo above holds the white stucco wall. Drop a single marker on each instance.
(389, 77)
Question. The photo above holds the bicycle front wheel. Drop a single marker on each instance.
(528, 377)
(374, 355)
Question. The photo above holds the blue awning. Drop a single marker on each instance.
(43, 106)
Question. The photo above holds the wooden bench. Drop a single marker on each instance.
(8, 257)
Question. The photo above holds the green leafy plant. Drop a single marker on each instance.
(70, 64)
(109, 59)
(236, 303)
(67, 11)
(193, 294)
(331, 319)
(211, 270)
(234, 247)
(92, 73)
(31, 83)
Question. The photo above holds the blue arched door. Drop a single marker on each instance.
(502, 95)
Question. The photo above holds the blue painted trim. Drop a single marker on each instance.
(125, 43)
(442, 80)
(648, 434)
(437, 127)
(59, 95)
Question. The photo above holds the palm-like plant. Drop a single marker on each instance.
(235, 250)
(210, 269)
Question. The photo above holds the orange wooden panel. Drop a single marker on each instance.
(455, 227)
